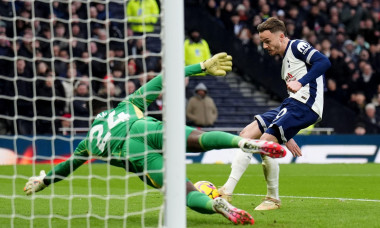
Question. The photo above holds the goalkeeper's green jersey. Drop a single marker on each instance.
(110, 128)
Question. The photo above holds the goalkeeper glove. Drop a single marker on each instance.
(35, 184)
(218, 65)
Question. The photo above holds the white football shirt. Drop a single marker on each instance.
(295, 65)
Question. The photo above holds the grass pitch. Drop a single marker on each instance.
(312, 196)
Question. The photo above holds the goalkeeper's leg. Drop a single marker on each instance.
(204, 141)
(201, 203)
(195, 200)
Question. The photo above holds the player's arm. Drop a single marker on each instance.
(59, 172)
(319, 64)
(218, 65)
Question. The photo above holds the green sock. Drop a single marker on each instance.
(199, 202)
(218, 140)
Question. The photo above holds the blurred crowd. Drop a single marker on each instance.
(61, 61)
(56, 57)
(346, 31)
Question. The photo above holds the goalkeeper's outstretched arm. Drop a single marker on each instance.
(60, 171)
(218, 65)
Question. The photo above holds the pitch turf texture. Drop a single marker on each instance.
(312, 196)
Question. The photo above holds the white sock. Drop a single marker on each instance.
(271, 173)
(238, 167)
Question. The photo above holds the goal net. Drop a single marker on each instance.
(62, 63)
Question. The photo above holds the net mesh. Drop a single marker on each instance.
(62, 62)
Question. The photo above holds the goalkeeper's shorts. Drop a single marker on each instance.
(143, 149)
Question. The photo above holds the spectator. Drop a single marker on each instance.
(68, 85)
(368, 31)
(334, 92)
(83, 63)
(327, 33)
(245, 36)
(130, 87)
(236, 25)
(61, 36)
(241, 11)
(201, 110)
(5, 51)
(371, 123)
(80, 104)
(338, 70)
(326, 47)
(101, 42)
(26, 50)
(296, 19)
(6, 83)
(65, 124)
(264, 12)
(349, 50)
(196, 48)
(376, 101)
(46, 42)
(132, 68)
(119, 80)
(351, 16)
(6, 11)
(25, 93)
(315, 20)
(374, 57)
(49, 102)
(212, 8)
(95, 25)
(63, 58)
(361, 44)
(109, 90)
(357, 103)
(227, 10)
(368, 82)
(340, 39)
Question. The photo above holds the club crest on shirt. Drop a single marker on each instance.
(303, 47)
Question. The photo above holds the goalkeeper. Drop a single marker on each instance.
(118, 134)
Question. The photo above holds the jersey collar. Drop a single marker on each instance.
(286, 49)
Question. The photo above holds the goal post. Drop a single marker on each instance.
(174, 114)
(58, 50)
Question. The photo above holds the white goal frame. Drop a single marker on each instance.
(174, 114)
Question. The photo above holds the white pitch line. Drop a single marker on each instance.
(314, 197)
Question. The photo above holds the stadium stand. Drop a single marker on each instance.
(351, 43)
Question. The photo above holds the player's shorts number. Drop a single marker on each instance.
(112, 121)
(281, 113)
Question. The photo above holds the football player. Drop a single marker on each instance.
(303, 69)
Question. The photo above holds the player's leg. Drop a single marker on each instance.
(201, 203)
(271, 171)
(240, 162)
(292, 117)
(204, 141)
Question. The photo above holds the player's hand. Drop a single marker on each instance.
(218, 65)
(294, 148)
(294, 86)
(35, 184)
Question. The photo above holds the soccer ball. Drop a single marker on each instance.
(207, 188)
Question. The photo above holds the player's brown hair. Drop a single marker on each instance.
(273, 25)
